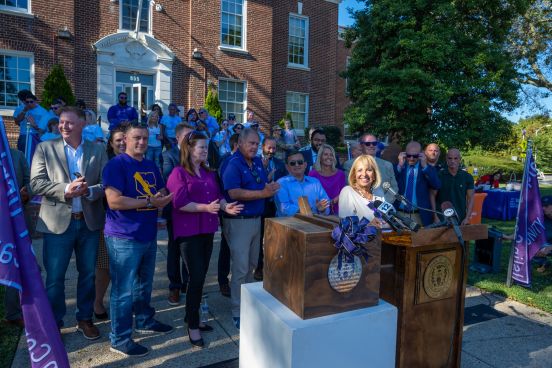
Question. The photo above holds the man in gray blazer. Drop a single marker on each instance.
(369, 144)
(67, 173)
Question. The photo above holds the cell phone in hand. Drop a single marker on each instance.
(77, 174)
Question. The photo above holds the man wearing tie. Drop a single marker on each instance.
(67, 173)
(415, 179)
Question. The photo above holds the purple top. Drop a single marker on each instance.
(332, 185)
(190, 188)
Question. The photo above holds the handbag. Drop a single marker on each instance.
(513, 183)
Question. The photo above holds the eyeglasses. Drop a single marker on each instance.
(369, 143)
(122, 97)
(298, 162)
(412, 156)
(29, 102)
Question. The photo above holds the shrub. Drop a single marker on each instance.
(56, 85)
(286, 117)
(212, 104)
(488, 164)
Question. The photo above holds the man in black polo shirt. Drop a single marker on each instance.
(456, 186)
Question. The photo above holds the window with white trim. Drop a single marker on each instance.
(298, 105)
(128, 14)
(232, 23)
(232, 98)
(18, 5)
(298, 41)
(15, 75)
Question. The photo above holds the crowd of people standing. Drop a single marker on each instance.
(102, 202)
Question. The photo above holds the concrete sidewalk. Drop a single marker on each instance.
(513, 336)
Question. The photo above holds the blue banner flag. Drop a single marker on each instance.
(19, 269)
(530, 233)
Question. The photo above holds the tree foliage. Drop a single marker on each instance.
(538, 128)
(530, 43)
(433, 70)
(56, 85)
(212, 104)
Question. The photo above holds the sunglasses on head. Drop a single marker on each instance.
(370, 143)
(297, 162)
(412, 156)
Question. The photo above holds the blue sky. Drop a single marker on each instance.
(345, 20)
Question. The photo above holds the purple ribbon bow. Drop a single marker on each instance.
(350, 237)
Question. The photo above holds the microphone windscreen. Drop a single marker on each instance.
(372, 206)
(377, 203)
(386, 185)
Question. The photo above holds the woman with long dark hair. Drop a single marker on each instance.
(196, 203)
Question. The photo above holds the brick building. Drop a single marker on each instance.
(269, 56)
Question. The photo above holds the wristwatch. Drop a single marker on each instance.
(148, 204)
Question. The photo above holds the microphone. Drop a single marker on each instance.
(405, 202)
(388, 209)
(395, 225)
(451, 217)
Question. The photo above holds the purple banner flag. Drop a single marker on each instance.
(19, 269)
(530, 234)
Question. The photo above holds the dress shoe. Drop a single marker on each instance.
(225, 290)
(174, 297)
(197, 343)
(88, 330)
(205, 328)
(101, 316)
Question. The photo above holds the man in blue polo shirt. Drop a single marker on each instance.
(121, 113)
(245, 180)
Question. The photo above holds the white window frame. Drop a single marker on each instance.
(15, 10)
(300, 131)
(8, 110)
(150, 18)
(244, 118)
(243, 47)
(305, 64)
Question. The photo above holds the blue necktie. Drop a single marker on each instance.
(409, 192)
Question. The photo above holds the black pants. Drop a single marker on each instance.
(269, 211)
(177, 271)
(196, 251)
(223, 260)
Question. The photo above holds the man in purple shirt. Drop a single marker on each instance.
(245, 180)
(121, 113)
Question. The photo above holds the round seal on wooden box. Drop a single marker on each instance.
(438, 277)
(344, 279)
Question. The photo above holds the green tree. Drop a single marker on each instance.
(212, 103)
(433, 70)
(56, 85)
(288, 116)
(538, 129)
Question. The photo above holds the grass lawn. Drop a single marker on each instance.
(540, 293)
(9, 336)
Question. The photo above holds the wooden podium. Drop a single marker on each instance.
(420, 275)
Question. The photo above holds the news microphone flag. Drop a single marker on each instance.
(530, 233)
(19, 269)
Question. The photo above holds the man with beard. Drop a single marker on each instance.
(310, 154)
(245, 180)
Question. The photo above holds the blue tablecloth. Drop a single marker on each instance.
(501, 204)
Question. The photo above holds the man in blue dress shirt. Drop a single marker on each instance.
(296, 185)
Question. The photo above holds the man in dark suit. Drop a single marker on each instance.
(67, 173)
(275, 169)
(317, 139)
(416, 178)
(177, 271)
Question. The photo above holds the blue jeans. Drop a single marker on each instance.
(57, 252)
(131, 267)
(153, 154)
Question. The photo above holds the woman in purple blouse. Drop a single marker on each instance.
(196, 203)
(332, 179)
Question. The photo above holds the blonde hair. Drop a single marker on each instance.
(316, 165)
(368, 162)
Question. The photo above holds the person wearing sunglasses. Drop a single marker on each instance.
(31, 126)
(369, 144)
(416, 179)
(121, 113)
(55, 109)
(245, 180)
(297, 185)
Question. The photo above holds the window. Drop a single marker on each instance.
(298, 105)
(231, 96)
(298, 41)
(15, 75)
(129, 10)
(232, 25)
(18, 5)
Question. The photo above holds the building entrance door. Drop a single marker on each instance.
(139, 89)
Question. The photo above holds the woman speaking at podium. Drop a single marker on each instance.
(355, 198)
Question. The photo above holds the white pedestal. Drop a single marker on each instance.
(272, 336)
